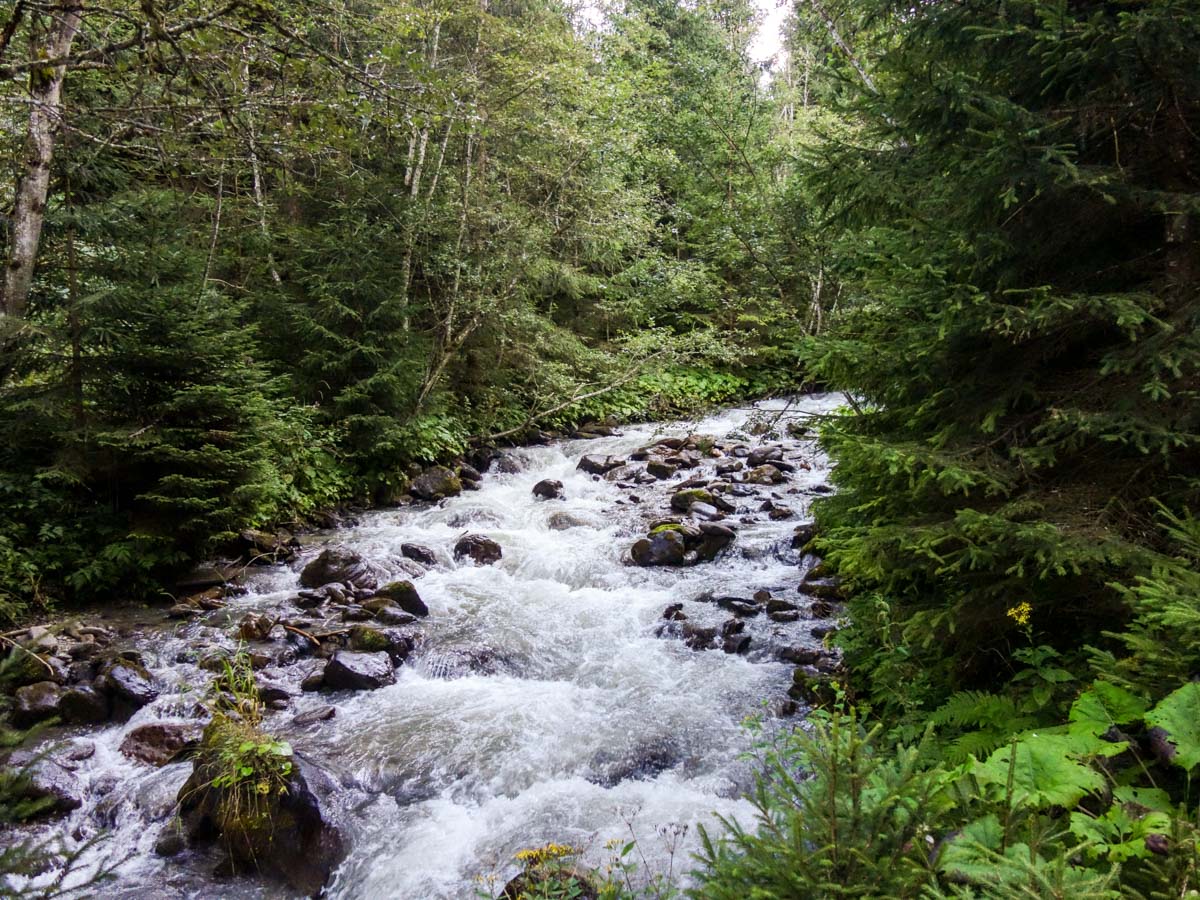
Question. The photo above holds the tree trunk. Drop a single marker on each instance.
(33, 187)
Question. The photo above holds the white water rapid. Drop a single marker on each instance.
(580, 721)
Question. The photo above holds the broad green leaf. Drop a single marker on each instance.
(1179, 715)
(1104, 705)
(1043, 773)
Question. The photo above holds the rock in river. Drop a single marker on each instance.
(160, 742)
(435, 484)
(548, 489)
(405, 596)
(482, 549)
(339, 564)
(353, 671)
(598, 465)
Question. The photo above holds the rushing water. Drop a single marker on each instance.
(582, 723)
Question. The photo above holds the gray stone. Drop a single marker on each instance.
(354, 671)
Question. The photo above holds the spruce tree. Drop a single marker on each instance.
(1020, 214)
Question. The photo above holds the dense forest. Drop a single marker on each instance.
(266, 261)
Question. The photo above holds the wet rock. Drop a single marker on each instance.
(483, 550)
(22, 667)
(339, 565)
(646, 759)
(313, 716)
(736, 644)
(803, 534)
(469, 472)
(800, 656)
(354, 671)
(784, 617)
(310, 599)
(45, 778)
(418, 553)
(761, 455)
(665, 548)
(738, 606)
(705, 511)
(255, 627)
(599, 465)
(393, 615)
(815, 690)
(313, 680)
(820, 489)
(682, 501)
(548, 489)
(661, 470)
(35, 703)
(290, 839)
(405, 596)
(171, 840)
(356, 613)
(823, 609)
(436, 483)
(822, 588)
(674, 613)
(774, 605)
(458, 662)
(779, 513)
(822, 631)
(395, 643)
(128, 683)
(698, 637)
(272, 694)
(83, 705)
(765, 474)
(728, 468)
(183, 611)
(158, 743)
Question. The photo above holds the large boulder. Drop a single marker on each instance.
(128, 684)
(403, 595)
(683, 501)
(663, 548)
(35, 703)
(483, 550)
(160, 742)
(436, 483)
(339, 565)
(548, 489)
(47, 779)
(418, 553)
(283, 834)
(351, 670)
(598, 465)
(83, 705)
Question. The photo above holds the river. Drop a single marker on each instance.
(577, 723)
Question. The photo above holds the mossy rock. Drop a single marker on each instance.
(280, 832)
(368, 639)
(436, 484)
(670, 526)
(404, 595)
(682, 500)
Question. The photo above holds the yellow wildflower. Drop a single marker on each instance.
(536, 856)
(1021, 613)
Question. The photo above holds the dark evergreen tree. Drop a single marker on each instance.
(1021, 231)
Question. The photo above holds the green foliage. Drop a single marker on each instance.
(836, 815)
(246, 765)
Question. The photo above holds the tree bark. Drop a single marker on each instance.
(33, 186)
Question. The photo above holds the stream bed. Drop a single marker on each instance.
(547, 701)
